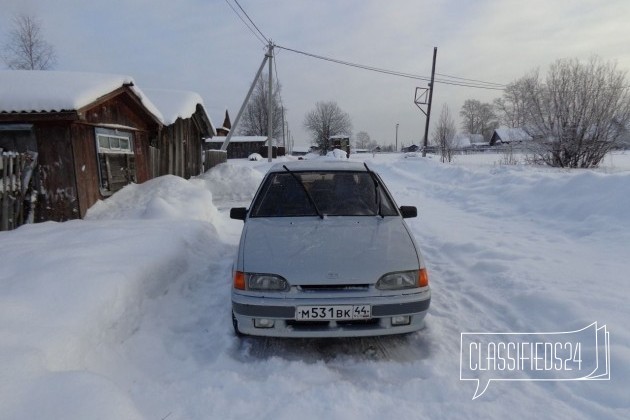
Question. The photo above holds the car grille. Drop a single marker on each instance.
(335, 288)
(323, 325)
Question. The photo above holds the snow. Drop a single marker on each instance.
(50, 91)
(126, 314)
(175, 104)
(508, 135)
(255, 156)
(337, 154)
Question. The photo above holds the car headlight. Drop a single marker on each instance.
(266, 282)
(399, 280)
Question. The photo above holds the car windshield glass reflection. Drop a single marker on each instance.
(334, 193)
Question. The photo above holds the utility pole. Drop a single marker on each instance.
(270, 111)
(426, 127)
(396, 138)
(240, 111)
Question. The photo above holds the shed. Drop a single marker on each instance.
(240, 147)
(506, 135)
(91, 133)
(178, 149)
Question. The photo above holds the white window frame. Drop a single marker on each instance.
(101, 149)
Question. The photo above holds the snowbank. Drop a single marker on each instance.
(127, 314)
(72, 292)
(337, 154)
(231, 183)
(165, 197)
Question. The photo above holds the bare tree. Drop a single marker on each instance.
(363, 140)
(26, 48)
(327, 120)
(511, 108)
(478, 118)
(444, 134)
(574, 114)
(255, 116)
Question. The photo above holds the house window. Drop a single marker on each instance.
(114, 143)
(116, 159)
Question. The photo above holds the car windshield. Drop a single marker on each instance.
(333, 193)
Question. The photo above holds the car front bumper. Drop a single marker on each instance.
(281, 312)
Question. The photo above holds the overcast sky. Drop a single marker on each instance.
(201, 45)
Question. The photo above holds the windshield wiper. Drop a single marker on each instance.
(310, 198)
(376, 190)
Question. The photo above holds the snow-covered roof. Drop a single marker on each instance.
(174, 104)
(55, 91)
(512, 134)
(238, 139)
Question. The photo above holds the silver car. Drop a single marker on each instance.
(325, 252)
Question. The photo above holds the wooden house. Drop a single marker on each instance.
(179, 147)
(91, 134)
(240, 147)
(226, 127)
(507, 135)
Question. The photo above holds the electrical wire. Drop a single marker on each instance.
(250, 19)
(262, 41)
(477, 85)
(472, 80)
(458, 81)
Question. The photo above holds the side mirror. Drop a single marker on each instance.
(238, 213)
(408, 211)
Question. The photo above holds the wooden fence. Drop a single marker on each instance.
(213, 157)
(16, 206)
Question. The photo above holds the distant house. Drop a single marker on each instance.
(91, 134)
(300, 151)
(467, 141)
(412, 148)
(240, 147)
(512, 136)
(224, 130)
(178, 148)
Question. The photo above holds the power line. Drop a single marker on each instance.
(361, 66)
(250, 19)
(471, 80)
(246, 24)
(394, 72)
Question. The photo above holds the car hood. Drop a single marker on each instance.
(335, 250)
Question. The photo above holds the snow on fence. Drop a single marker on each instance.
(16, 170)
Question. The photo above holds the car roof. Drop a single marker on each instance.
(319, 165)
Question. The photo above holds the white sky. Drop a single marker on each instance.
(201, 45)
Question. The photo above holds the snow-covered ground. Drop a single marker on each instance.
(126, 315)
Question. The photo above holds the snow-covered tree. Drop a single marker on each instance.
(575, 112)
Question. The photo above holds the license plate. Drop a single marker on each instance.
(333, 312)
